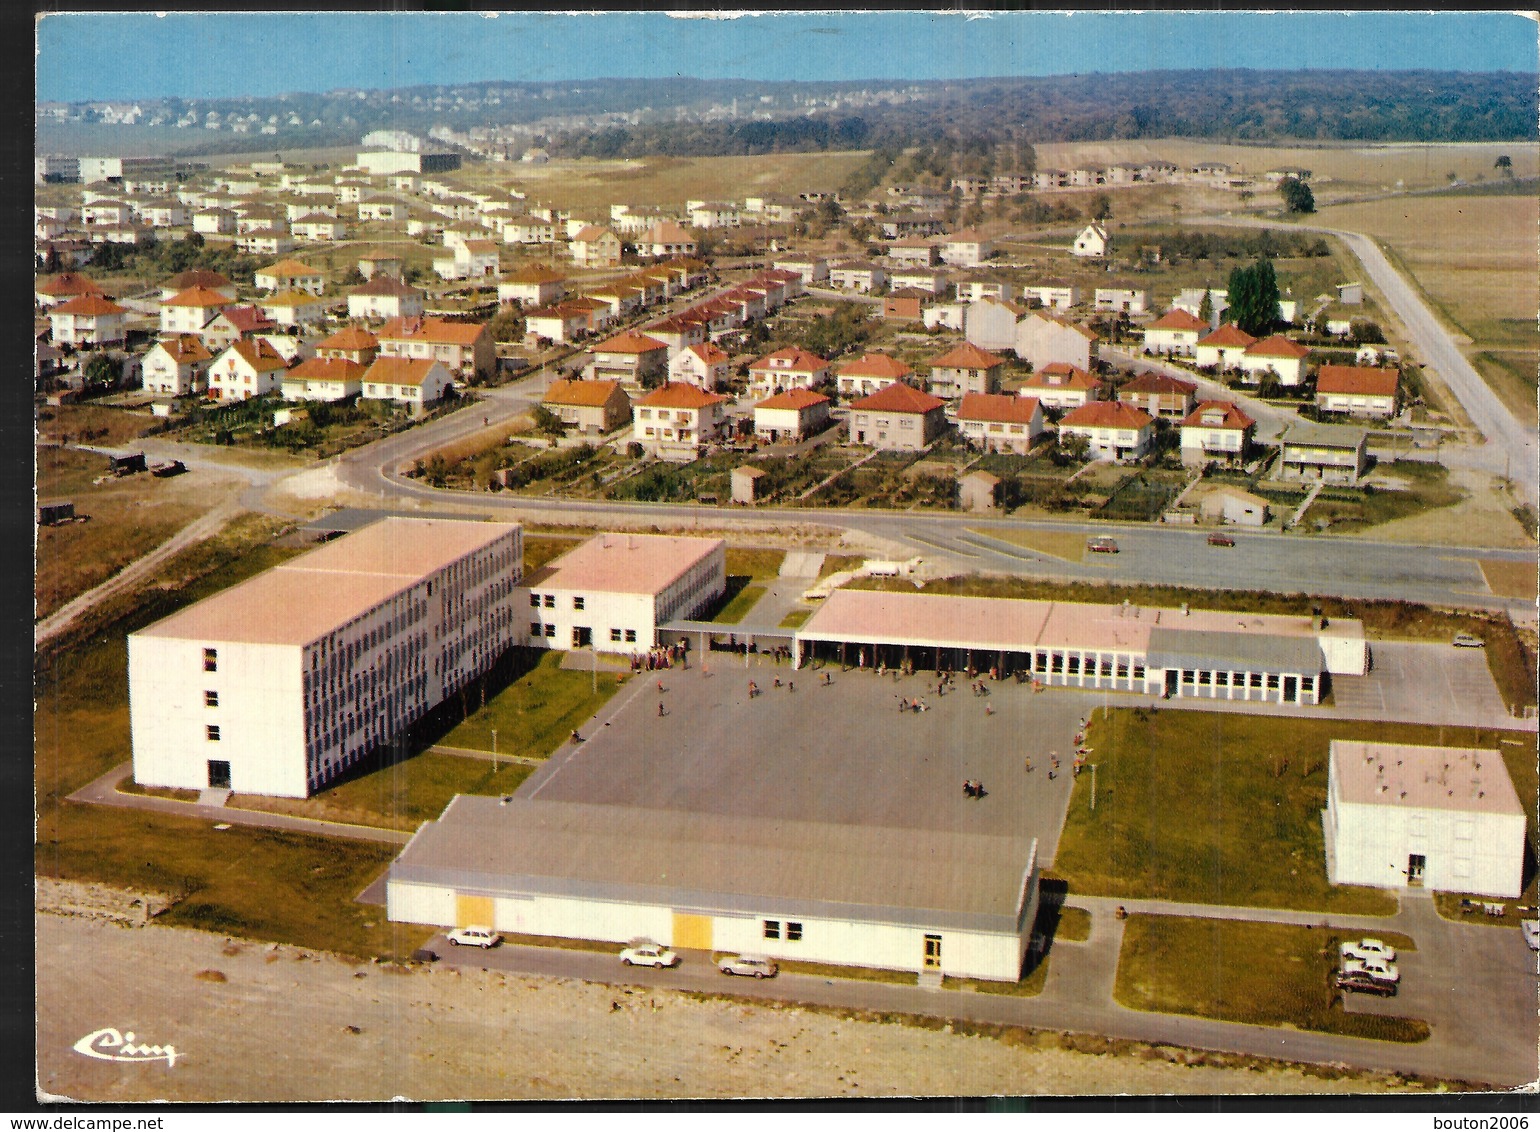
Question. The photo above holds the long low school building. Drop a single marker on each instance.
(909, 900)
(1126, 648)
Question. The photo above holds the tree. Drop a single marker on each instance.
(1206, 307)
(1253, 297)
(1101, 207)
(102, 371)
(507, 326)
(546, 421)
(1505, 163)
(1297, 196)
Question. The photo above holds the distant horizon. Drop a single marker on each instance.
(80, 56)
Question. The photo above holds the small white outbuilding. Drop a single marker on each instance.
(1445, 818)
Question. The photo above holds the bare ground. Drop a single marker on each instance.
(1483, 519)
(266, 1023)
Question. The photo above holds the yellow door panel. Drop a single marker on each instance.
(693, 932)
(473, 910)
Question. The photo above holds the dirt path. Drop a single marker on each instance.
(204, 527)
(265, 1023)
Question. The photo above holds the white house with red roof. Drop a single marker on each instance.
(1224, 348)
(1276, 355)
(791, 416)
(1216, 431)
(289, 275)
(533, 286)
(1124, 298)
(189, 311)
(90, 320)
(175, 367)
(1175, 332)
(791, 368)
(999, 422)
(963, 369)
(294, 308)
(1061, 386)
(385, 297)
(234, 323)
(859, 275)
(465, 348)
(1361, 391)
(635, 360)
(353, 343)
(1043, 339)
(677, 332)
(966, 249)
(869, 373)
(212, 280)
(1160, 395)
(676, 420)
(898, 418)
(593, 246)
(703, 364)
(664, 240)
(65, 286)
(413, 382)
(1112, 430)
(248, 368)
(590, 408)
(472, 259)
(561, 323)
(323, 379)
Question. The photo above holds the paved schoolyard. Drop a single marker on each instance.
(838, 753)
(1424, 683)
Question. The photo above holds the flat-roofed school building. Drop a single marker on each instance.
(1127, 648)
(280, 683)
(1445, 818)
(902, 899)
(612, 592)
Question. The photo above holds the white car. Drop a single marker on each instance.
(1382, 969)
(648, 955)
(1368, 949)
(756, 965)
(474, 937)
(1531, 933)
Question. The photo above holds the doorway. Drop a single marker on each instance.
(582, 636)
(1416, 868)
(219, 774)
(1291, 689)
(932, 952)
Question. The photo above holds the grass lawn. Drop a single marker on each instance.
(87, 423)
(1058, 544)
(1185, 797)
(795, 619)
(754, 561)
(834, 563)
(536, 712)
(399, 795)
(1244, 971)
(1510, 579)
(741, 599)
(1074, 924)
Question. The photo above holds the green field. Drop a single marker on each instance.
(536, 712)
(1243, 971)
(1185, 797)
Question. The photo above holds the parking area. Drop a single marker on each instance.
(840, 752)
(1423, 683)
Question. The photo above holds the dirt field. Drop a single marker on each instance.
(1475, 258)
(364, 1032)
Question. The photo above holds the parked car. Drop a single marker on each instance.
(1101, 545)
(1531, 933)
(1368, 949)
(756, 965)
(646, 954)
(474, 937)
(1467, 641)
(1382, 969)
(1217, 539)
(1363, 983)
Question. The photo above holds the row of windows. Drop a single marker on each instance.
(549, 601)
(772, 929)
(1202, 677)
(629, 635)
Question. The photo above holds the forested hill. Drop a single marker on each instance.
(1219, 105)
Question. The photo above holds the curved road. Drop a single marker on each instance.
(1510, 449)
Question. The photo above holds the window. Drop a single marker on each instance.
(211, 732)
(210, 699)
(614, 634)
(577, 602)
(550, 630)
(535, 629)
(550, 601)
(772, 929)
(631, 635)
(211, 660)
(534, 601)
(793, 930)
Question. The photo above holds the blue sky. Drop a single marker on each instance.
(193, 55)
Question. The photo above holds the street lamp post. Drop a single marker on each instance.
(494, 750)
(1093, 787)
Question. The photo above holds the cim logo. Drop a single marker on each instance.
(109, 1045)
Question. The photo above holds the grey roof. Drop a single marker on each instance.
(722, 864)
(1324, 436)
(1236, 652)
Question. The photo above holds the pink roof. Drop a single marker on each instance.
(1106, 414)
(629, 343)
(875, 365)
(1227, 335)
(1152, 382)
(1230, 415)
(621, 563)
(708, 353)
(798, 399)
(1178, 319)
(966, 356)
(1276, 346)
(1001, 407)
(680, 395)
(1360, 380)
(898, 398)
(796, 359)
(1465, 779)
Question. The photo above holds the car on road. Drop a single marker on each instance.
(1531, 933)
(1367, 949)
(1217, 539)
(648, 954)
(474, 937)
(1362, 983)
(1467, 641)
(756, 965)
(1381, 969)
(1101, 545)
